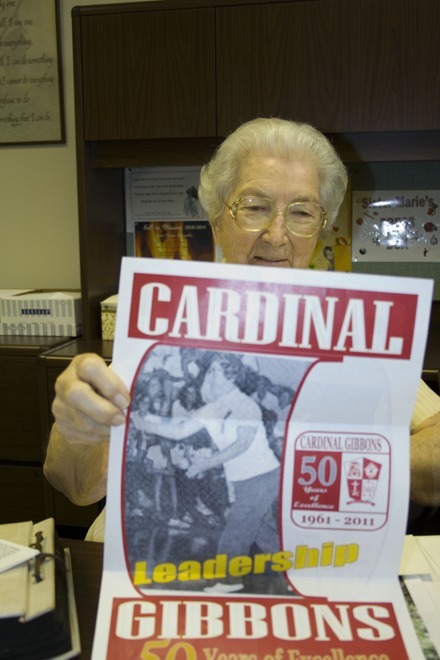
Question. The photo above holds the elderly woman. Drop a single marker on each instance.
(270, 189)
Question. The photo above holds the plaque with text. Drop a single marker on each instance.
(31, 103)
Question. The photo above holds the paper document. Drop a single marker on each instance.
(256, 496)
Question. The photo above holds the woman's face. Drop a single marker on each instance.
(215, 383)
(283, 182)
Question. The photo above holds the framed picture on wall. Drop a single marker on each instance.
(31, 90)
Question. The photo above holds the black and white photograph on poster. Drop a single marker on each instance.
(189, 240)
(393, 225)
(162, 193)
(202, 469)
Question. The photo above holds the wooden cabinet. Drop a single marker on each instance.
(288, 59)
(160, 83)
(24, 494)
(397, 56)
(20, 412)
(149, 74)
(29, 367)
(152, 70)
(344, 65)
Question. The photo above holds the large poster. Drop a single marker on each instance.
(256, 496)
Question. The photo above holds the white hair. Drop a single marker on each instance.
(272, 137)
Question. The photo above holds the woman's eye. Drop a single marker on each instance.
(256, 208)
(301, 213)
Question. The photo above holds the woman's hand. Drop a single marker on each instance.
(90, 399)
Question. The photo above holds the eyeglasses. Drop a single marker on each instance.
(304, 219)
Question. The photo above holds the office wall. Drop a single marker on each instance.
(38, 205)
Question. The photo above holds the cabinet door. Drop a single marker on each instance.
(148, 74)
(22, 494)
(398, 62)
(293, 60)
(19, 409)
(343, 65)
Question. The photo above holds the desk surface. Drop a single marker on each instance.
(87, 570)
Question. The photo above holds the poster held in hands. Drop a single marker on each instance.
(255, 494)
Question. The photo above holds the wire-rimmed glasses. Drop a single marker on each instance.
(303, 219)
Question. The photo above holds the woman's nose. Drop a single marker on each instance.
(276, 232)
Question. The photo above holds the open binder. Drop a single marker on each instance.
(37, 606)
